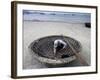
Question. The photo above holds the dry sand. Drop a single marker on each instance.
(35, 30)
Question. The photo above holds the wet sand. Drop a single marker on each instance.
(35, 30)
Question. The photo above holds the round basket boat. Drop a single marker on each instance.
(42, 50)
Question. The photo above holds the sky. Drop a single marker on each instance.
(73, 17)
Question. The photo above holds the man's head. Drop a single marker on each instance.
(59, 45)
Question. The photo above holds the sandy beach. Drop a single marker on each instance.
(33, 30)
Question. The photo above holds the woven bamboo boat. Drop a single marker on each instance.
(42, 49)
